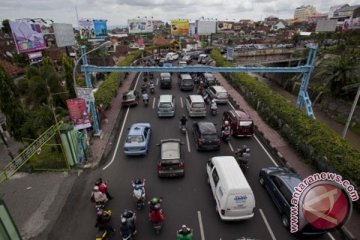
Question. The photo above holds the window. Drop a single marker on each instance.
(146, 130)
(210, 164)
(215, 177)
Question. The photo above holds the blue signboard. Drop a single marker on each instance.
(100, 28)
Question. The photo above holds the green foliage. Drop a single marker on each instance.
(67, 69)
(305, 134)
(108, 90)
(10, 105)
(38, 120)
(6, 26)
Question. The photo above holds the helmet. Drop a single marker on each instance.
(154, 201)
(123, 220)
(138, 181)
(96, 188)
(184, 116)
(226, 123)
(213, 101)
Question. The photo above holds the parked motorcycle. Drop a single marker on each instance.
(242, 156)
(139, 194)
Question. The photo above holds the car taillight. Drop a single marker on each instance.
(159, 167)
(182, 165)
(222, 212)
(201, 140)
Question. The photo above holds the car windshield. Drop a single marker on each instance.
(210, 136)
(170, 150)
(134, 139)
(165, 105)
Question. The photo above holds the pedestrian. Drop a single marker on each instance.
(102, 114)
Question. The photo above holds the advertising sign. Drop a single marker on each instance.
(180, 27)
(205, 27)
(230, 53)
(64, 34)
(78, 113)
(86, 94)
(27, 36)
(100, 28)
(224, 26)
(87, 30)
(140, 26)
(192, 29)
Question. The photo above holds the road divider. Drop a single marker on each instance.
(154, 101)
(267, 224)
(187, 140)
(181, 103)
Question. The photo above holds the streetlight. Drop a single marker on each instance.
(88, 82)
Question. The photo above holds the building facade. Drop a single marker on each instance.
(304, 12)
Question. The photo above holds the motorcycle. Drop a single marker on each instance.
(152, 89)
(184, 233)
(213, 108)
(225, 134)
(156, 216)
(105, 231)
(182, 128)
(128, 229)
(242, 156)
(139, 195)
(214, 111)
(102, 235)
(99, 206)
(145, 98)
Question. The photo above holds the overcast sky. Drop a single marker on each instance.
(118, 11)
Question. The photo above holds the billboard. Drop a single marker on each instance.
(224, 26)
(205, 27)
(92, 28)
(180, 27)
(27, 36)
(140, 26)
(100, 28)
(64, 34)
(328, 25)
(78, 113)
(352, 23)
(192, 28)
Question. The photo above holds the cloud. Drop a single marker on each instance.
(119, 11)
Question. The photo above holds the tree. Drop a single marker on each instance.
(10, 105)
(6, 26)
(338, 72)
(67, 68)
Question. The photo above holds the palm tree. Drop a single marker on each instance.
(337, 73)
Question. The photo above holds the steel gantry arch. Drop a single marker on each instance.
(303, 99)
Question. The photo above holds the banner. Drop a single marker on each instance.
(224, 26)
(180, 27)
(205, 27)
(64, 34)
(87, 29)
(27, 36)
(140, 26)
(100, 28)
(78, 113)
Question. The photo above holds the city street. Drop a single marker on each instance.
(187, 200)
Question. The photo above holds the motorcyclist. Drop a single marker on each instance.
(139, 189)
(225, 129)
(103, 187)
(201, 87)
(103, 221)
(156, 214)
(152, 86)
(213, 105)
(184, 233)
(183, 121)
(145, 97)
(98, 196)
(242, 151)
(126, 227)
(144, 87)
(129, 217)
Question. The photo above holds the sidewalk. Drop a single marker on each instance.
(283, 148)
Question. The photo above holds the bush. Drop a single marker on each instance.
(108, 90)
(318, 145)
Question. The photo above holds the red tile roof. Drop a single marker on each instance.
(11, 69)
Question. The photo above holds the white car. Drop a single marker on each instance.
(171, 56)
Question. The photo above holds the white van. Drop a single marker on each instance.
(234, 197)
(171, 56)
(195, 106)
(166, 106)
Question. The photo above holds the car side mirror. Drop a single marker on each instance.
(158, 144)
(182, 143)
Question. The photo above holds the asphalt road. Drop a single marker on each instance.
(187, 200)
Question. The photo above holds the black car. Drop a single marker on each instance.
(170, 162)
(206, 136)
(280, 184)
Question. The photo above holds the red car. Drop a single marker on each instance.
(241, 123)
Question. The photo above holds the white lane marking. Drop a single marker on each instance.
(231, 147)
(267, 224)
(154, 100)
(330, 236)
(121, 131)
(118, 140)
(157, 81)
(181, 102)
(187, 140)
(267, 153)
(201, 226)
(261, 145)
